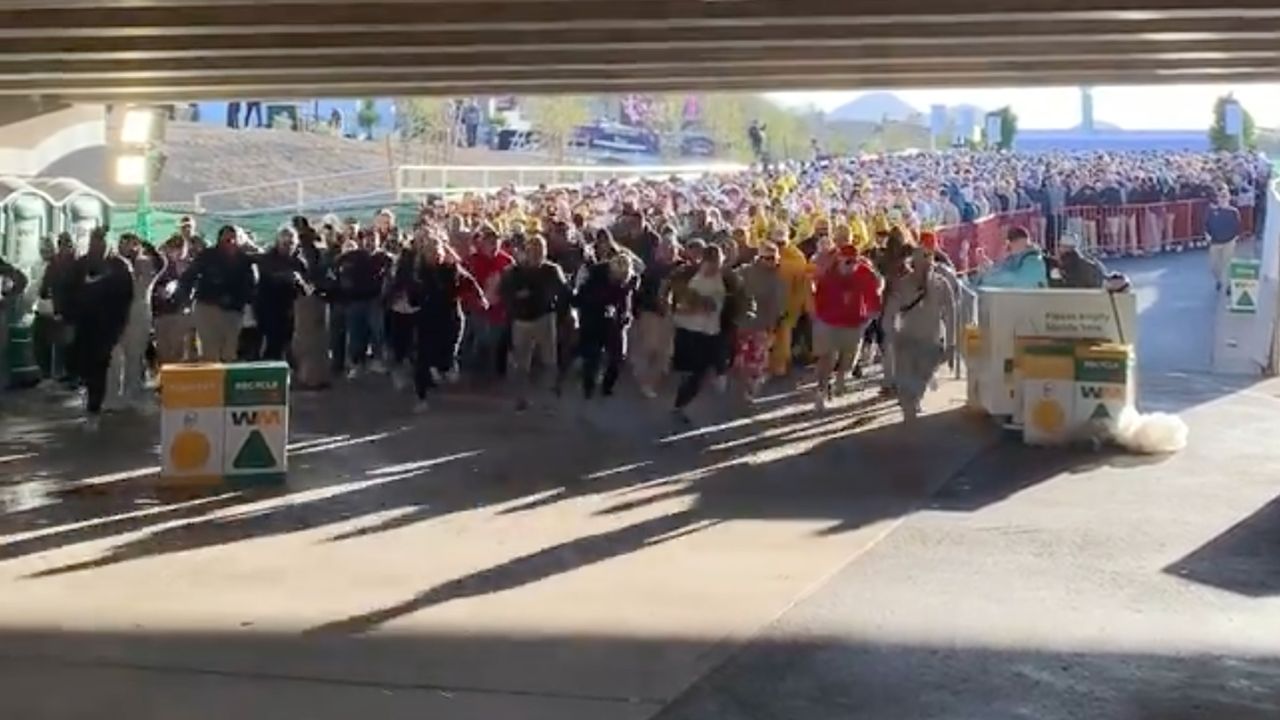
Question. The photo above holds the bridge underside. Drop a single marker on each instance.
(114, 50)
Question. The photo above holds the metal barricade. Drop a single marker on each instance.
(1129, 230)
(966, 310)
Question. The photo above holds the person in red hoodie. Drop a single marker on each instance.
(846, 297)
(486, 337)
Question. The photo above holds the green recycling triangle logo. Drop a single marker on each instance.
(1100, 413)
(254, 454)
(1244, 299)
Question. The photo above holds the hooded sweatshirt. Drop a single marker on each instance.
(793, 268)
(847, 299)
(765, 294)
(1023, 271)
(605, 296)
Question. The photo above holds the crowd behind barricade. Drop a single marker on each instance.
(727, 280)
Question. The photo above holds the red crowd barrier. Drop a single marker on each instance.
(1103, 231)
(970, 244)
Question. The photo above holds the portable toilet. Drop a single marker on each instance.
(79, 208)
(27, 214)
(28, 218)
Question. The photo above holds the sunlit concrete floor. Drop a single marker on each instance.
(1060, 585)
(574, 560)
(596, 562)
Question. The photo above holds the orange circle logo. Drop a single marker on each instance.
(190, 450)
(1048, 415)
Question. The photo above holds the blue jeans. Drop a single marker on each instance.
(365, 325)
(481, 343)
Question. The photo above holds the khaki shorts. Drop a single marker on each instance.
(832, 339)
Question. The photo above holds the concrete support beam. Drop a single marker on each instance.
(201, 48)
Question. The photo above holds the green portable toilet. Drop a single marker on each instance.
(28, 217)
(78, 208)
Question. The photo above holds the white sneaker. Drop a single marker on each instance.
(353, 373)
(648, 392)
(820, 401)
(421, 407)
(452, 376)
(377, 367)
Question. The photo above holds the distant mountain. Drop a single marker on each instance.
(875, 107)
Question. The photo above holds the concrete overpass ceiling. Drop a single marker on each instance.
(111, 50)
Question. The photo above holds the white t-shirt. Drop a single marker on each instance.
(706, 321)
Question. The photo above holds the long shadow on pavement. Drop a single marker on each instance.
(536, 676)
(1236, 559)
(847, 468)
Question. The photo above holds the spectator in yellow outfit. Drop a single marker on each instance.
(858, 230)
(793, 268)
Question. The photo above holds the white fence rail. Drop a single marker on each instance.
(407, 182)
(301, 194)
(417, 180)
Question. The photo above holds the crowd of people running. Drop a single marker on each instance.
(729, 280)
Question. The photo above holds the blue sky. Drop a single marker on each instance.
(1170, 107)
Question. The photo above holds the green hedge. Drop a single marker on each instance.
(164, 223)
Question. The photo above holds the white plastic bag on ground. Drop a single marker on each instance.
(1150, 433)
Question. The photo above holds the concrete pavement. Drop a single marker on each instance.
(574, 561)
(1050, 585)
(1058, 585)
(595, 562)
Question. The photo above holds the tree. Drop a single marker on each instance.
(669, 122)
(1219, 139)
(556, 117)
(1008, 129)
(367, 116)
(427, 124)
(724, 117)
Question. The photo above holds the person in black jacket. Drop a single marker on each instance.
(604, 314)
(402, 314)
(438, 285)
(100, 290)
(536, 295)
(223, 283)
(16, 282)
(310, 342)
(171, 314)
(1072, 268)
(325, 276)
(361, 275)
(280, 283)
(49, 331)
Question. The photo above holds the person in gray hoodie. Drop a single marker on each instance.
(923, 310)
(764, 293)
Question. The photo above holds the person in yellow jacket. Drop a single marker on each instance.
(859, 231)
(760, 225)
(793, 268)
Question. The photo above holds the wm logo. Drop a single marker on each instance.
(1100, 392)
(240, 418)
